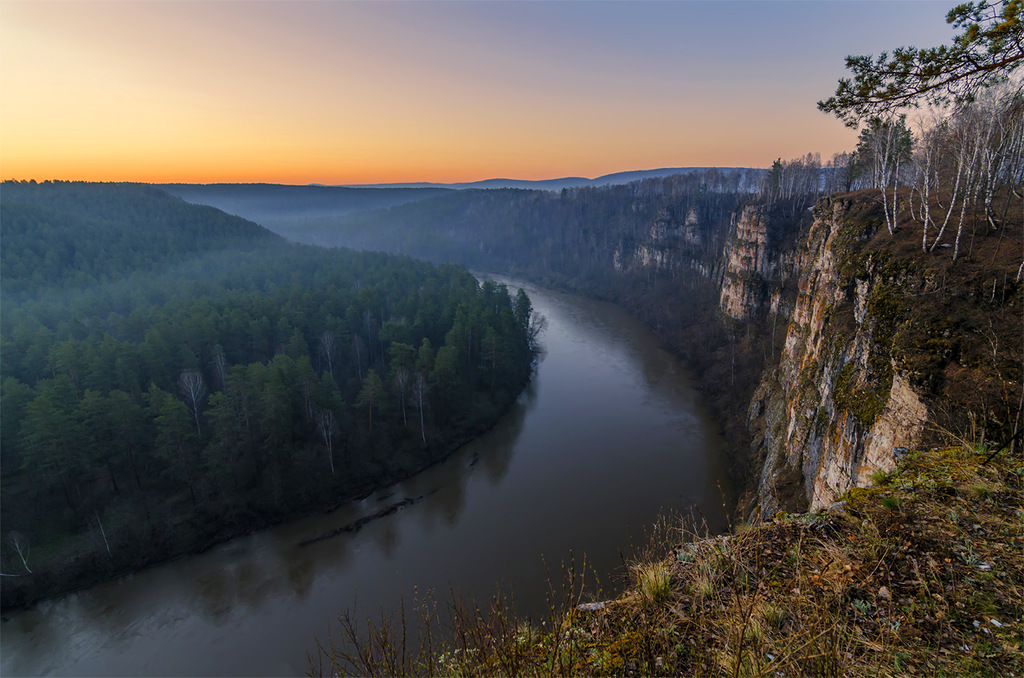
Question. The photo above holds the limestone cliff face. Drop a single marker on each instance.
(754, 266)
(746, 264)
(836, 406)
(665, 229)
(669, 245)
(844, 392)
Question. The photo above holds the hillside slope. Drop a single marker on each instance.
(56, 233)
(272, 205)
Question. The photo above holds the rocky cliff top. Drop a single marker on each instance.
(886, 346)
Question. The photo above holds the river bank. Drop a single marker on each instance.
(55, 574)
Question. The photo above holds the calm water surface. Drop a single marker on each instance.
(609, 435)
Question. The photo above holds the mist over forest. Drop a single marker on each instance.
(211, 378)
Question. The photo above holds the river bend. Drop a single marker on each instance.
(609, 434)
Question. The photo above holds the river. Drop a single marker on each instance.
(608, 435)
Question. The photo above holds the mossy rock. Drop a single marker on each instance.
(821, 419)
(858, 499)
(865, 404)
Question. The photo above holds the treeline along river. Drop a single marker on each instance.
(607, 436)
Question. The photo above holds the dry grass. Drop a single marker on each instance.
(921, 576)
(654, 582)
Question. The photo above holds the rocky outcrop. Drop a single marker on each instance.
(754, 267)
(836, 405)
(666, 229)
(747, 265)
(669, 245)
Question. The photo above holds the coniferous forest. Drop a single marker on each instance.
(173, 376)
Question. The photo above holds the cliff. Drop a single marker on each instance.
(669, 245)
(837, 344)
(886, 347)
(758, 259)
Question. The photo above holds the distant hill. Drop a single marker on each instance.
(534, 230)
(281, 207)
(568, 182)
(266, 203)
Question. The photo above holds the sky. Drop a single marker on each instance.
(330, 92)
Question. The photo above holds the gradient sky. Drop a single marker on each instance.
(352, 92)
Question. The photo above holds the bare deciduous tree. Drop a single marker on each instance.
(220, 367)
(419, 392)
(927, 178)
(327, 425)
(193, 387)
(357, 350)
(19, 543)
(963, 158)
(538, 323)
(403, 379)
(884, 146)
(103, 532)
(328, 348)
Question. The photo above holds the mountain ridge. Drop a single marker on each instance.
(559, 183)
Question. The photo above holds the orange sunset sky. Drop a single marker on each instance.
(352, 92)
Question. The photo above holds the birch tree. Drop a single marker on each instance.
(357, 351)
(328, 348)
(220, 366)
(971, 140)
(103, 533)
(327, 425)
(193, 388)
(419, 393)
(403, 379)
(926, 181)
(884, 146)
(19, 543)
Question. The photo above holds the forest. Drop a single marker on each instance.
(173, 376)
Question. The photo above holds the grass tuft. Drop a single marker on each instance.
(892, 503)
(654, 581)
